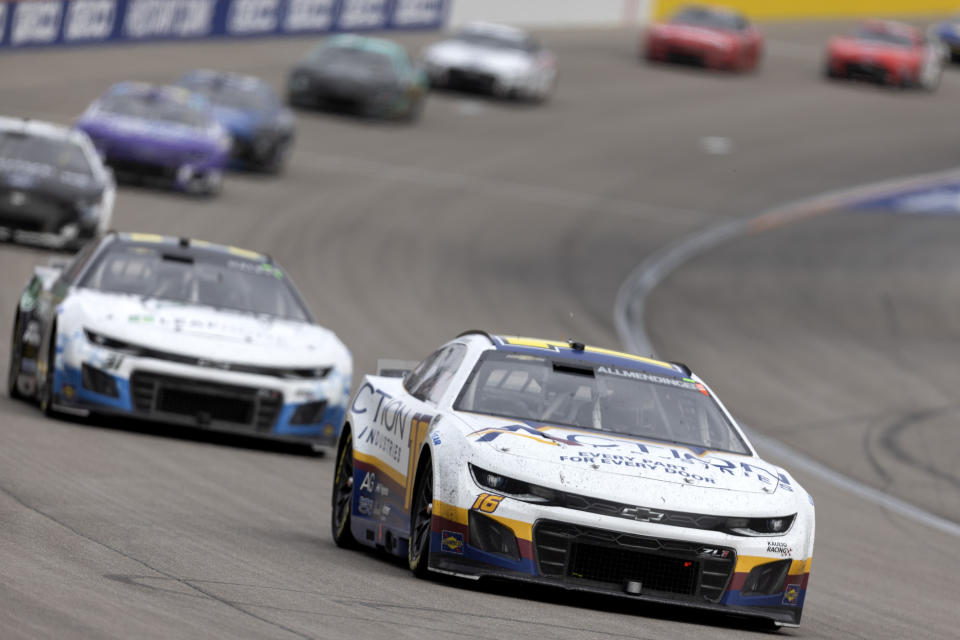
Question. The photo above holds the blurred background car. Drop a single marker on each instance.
(262, 128)
(182, 332)
(369, 76)
(948, 33)
(492, 58)
(712, 37)
(54, 189)
(149, 131)
(886, 52)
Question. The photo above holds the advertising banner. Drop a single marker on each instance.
(32, 23)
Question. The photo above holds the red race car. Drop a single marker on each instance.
(887, 52)
(711, 37)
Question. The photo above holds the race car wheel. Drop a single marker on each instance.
(46, 390)
(16, 350)
(277, 158)
(421, 520)
(341, 501)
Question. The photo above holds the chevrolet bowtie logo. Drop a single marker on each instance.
(642, 514)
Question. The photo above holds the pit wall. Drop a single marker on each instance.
(814, 9)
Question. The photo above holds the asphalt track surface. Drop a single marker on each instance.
(837, 335)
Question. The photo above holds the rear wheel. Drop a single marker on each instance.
(421, 520)
(16, 353)
(341, 501)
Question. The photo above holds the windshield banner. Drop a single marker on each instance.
(33, 23)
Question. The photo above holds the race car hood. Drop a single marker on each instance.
(695, 34)
(630, 462)
(202, 332)
(456, 53)
(856, 48)
(140, 130)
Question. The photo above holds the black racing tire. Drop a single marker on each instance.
(276, 160)
(45, 393)
(421, 520)
(16, 351)
(341, 498)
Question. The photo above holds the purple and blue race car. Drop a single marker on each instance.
(146, 131)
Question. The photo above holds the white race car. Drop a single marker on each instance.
(492, 58)
(572, 466)
(179, 331)
(54, 189)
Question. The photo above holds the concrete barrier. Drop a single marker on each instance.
(813, 9)
(552, 13)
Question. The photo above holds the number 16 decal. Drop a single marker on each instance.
(487, 503)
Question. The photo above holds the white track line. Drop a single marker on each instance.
(628, 315)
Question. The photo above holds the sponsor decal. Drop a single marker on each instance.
(253, 16)
(369, 482)
(634, 374)
(779, 548)
(168, 18)
(451, 541)
(436, 439)
(365, 506)
(791, 594)
(640, 454)
(363, 14)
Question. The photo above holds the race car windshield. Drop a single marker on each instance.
(235, 97)
(350, 59)
(61, 155)
(494, 41)
(882, 36)
(150, 107)
(606, 398)
(207, 278)
(698, 17)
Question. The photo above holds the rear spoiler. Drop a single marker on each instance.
(395, 368)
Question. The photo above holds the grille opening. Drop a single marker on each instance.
(99, 381)
(188, 403)
(617, 566)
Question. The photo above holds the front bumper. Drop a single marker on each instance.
(91, 379)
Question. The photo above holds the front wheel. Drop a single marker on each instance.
(421, 521)
(46, 395)
(341, 502)
(16, 353)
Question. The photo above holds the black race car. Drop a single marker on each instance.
(369, 76)
(54, 190)
(260, 125)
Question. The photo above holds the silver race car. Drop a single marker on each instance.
(493, 58)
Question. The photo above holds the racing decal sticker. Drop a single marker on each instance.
(487, 503)
(791, 595)
(780, 548)
(451, 542)
(634, 374)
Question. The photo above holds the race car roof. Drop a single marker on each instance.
(153, 238)
(40, 129)
(366, 43)
(593, 355)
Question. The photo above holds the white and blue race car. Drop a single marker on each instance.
(572, 466)
(179, 331)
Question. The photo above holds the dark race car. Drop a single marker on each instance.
(708, 36)
(54, 189)
(261, 126)
(369, 76)
(154, 132)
